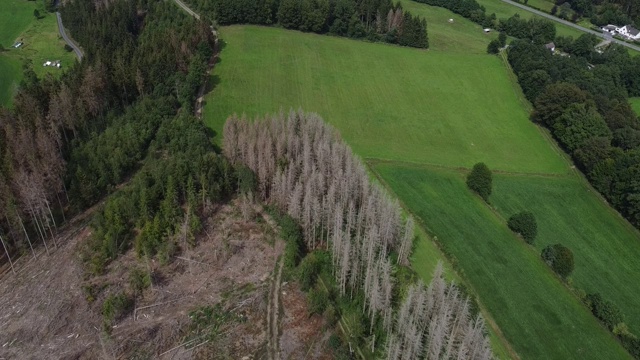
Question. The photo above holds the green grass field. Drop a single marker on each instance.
(461, 36)
(606, 248)
(10, 75)
(540, 318)
(544, 5)
(504, 10)
(388, 102)
(635, 104)
(15, 17)
(41, 43)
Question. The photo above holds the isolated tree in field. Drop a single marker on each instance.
(493, 47)
(524, 223)
(480, 180)
(36, 14)
(559, 258)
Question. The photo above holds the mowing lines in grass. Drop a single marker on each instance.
(387, 101)
(537, 314)
(606, 247)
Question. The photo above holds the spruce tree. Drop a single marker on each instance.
(480, 180)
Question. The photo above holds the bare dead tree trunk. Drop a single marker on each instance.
(6, 251)
(35, 220)
(27, 236)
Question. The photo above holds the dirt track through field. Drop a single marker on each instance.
(273, 316)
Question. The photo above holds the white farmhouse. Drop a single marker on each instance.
(629, 32)
(611, 29)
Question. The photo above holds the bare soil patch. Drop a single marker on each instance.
(45, 312)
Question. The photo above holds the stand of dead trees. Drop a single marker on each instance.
(436, 323)
(305, 169)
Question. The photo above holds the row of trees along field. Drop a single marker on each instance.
(375, 20)
(602, 12)
(304, 169)
(67, 143)
(583, 100)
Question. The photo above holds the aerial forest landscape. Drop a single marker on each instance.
(320, 179)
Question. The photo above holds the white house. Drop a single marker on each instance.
(611, 29)
(629, 32)
(550, 46)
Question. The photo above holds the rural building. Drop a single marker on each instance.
(18, 44)
(627, 31)
(551, 46)
(52, 63)
(487, 30)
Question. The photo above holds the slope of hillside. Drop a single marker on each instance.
(388, 102)
(53, 309)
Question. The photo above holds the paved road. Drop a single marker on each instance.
(568, 23)
(69, 42)
(186, 8)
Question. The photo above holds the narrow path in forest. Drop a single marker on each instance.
(273, 315)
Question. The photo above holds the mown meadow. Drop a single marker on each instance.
(606, 247)
(388, 102)
(519, 290)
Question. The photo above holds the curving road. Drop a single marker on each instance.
(66, 38)
(568, 23)
(187, 9)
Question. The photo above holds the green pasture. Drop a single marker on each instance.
(389, 102)
(544, 5)
(425, 257)
(539, 317)
(504, 10)
(15, 17)
(10, 75)
(606, 248)
(41, 43)
(635, 104)
(460, 36)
